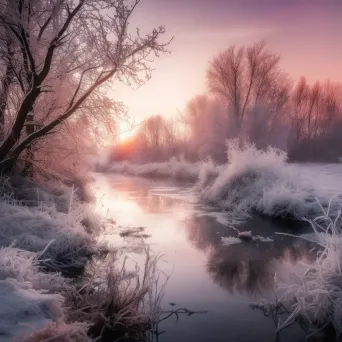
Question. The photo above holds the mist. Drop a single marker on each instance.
(250, 98)
(120, 221)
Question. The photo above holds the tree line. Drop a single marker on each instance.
(251, 98)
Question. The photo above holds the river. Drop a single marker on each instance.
(205, 273)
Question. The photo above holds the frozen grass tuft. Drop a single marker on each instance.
(116, 302)
(315, 299)
(23, 266)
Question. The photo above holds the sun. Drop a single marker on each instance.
(125, 131)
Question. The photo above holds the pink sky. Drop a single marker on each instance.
(306, 33)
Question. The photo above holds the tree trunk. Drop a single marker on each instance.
(28, 166)
(6, 83)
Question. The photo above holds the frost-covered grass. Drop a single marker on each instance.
(316, 297)
(117, 299)
(34, 218)
(176, 168)
(23, 266)
(40, 228)
(312, 297)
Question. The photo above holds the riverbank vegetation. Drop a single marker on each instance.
(56, 281)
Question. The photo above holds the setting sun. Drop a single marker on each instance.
(125, 131)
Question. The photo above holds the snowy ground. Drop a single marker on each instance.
(40, 226)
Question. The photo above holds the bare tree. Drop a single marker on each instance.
(245, 77)
(316, 115)
(81, 45)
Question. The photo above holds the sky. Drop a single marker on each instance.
(306, 33)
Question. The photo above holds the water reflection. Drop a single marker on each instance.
(252, 269)
(139, 190)
(245, 267)
(205, 273)
(251, 266)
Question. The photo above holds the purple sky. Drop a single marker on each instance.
(306, 33)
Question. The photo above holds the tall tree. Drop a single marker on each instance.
(247, 76)
(78, 45)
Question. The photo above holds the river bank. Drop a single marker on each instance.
(56, 280)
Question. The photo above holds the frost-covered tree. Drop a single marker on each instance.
(68, 52)
(247, 76)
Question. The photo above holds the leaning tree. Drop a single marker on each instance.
(58, 61)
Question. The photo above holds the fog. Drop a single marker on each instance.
(251, 98)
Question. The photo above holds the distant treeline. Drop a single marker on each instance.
(249, 97)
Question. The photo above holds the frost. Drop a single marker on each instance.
(175, 168)
(34, 219)
(23, 308)
(230, 240)
(39, 227)
(245, 235)
(316, 297)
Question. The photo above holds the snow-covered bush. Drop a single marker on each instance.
(262, 181)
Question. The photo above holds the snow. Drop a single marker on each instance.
(39, 226)
(230, 240)
(25, 303)
(23, 308)
(253, 180)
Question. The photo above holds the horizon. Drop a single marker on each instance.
(304, 33)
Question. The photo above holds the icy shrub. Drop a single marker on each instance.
(262, 181)
(208, 172)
